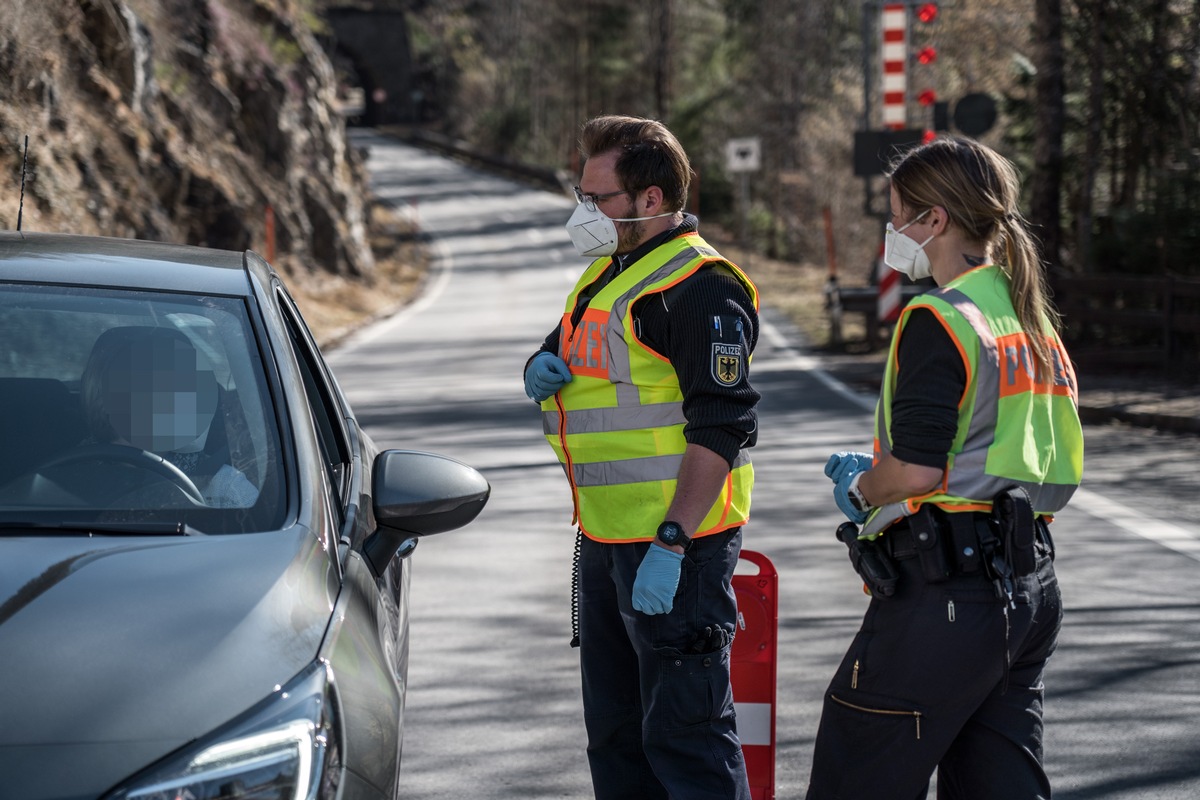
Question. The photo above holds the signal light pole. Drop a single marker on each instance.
(874, 147)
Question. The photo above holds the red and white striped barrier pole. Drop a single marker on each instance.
(894, 57)
(888, 303)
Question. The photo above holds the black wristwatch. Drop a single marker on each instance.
(671, 533)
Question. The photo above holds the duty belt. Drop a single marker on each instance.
(953, 538)
(1002, 545)
(965, 543)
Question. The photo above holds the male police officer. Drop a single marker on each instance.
(646, 400)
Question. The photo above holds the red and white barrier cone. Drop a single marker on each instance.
(753, 669)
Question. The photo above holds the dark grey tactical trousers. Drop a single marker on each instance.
(926, 684)
(659, 716)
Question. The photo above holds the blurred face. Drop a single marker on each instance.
(157, 397)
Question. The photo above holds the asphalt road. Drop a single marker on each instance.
(494, 706)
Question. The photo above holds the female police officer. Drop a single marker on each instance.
(978, 409)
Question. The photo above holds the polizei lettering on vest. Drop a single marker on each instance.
(589, 346)
(1019, 368)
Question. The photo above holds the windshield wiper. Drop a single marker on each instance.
(105, 528)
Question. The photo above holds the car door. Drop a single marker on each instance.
(376, 619)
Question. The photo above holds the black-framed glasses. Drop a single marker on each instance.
(590, 201)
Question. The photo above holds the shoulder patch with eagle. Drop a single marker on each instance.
(728, 353)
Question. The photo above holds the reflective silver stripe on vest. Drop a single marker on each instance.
(637, 470)
(608, 420)
(619, 371)
(987, 409)
(634, 470)
(971, 462)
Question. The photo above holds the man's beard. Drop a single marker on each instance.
(629, 234)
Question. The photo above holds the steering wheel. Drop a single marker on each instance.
(134, 457)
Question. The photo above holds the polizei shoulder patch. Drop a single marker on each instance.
(726, 337)
(726, 363)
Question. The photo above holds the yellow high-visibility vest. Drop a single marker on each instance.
(1016, 426)
(617, 427)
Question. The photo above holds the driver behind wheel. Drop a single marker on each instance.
(150, 388)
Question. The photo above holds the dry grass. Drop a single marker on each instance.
(796, 289)
(334, 306)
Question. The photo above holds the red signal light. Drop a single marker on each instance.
(927, 97)
(927, 55)
(927, 12)
(929, 136)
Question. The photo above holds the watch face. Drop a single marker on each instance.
(671, 533)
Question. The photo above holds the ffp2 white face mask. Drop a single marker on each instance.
(902, 253)
(594, 233)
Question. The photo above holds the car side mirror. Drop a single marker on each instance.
(419, 494)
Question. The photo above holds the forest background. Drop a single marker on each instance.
(1098, 100)
(185, 120)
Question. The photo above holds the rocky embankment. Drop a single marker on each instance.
(181, 120)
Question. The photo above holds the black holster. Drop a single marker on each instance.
(870, 561)
(1013, 521)
(964, 544)
(929, 539)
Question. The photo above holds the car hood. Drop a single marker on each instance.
(116, 651)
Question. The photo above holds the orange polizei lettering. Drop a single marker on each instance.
(1017, 368)
(589, 349)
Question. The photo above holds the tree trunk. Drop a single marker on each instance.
(1094, 138)
(662, 35)
(1046, 183)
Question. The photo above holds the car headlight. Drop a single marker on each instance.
(286, 748)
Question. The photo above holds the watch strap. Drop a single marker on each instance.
(857, 498)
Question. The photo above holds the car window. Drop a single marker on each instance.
(134, 406)
(335, 450)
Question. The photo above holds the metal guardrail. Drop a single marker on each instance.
(1110, 322)
(841, 300)
(1125, 322)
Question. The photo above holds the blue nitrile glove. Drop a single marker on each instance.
(841, 463)
(545, 375)
(656, 581)
(842, 497)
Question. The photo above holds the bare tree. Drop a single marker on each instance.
(1046, 181)
(1093, 135)
(661, 55)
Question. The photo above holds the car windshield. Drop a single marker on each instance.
(147, 408)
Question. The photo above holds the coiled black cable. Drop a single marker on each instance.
(575, 590)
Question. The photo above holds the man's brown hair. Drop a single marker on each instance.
(650, 155)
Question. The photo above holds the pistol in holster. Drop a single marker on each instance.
(870, 561)
(1013, 521)
(1007, 541)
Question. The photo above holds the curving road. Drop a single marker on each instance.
(494, 708)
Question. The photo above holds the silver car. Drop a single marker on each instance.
(203, 574)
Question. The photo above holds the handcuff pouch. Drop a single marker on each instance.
(929, 541)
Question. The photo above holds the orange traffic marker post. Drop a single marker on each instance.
(753, 670)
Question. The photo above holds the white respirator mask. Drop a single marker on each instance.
(594, 233)
(903, 254)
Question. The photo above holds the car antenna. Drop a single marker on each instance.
(21, 206)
